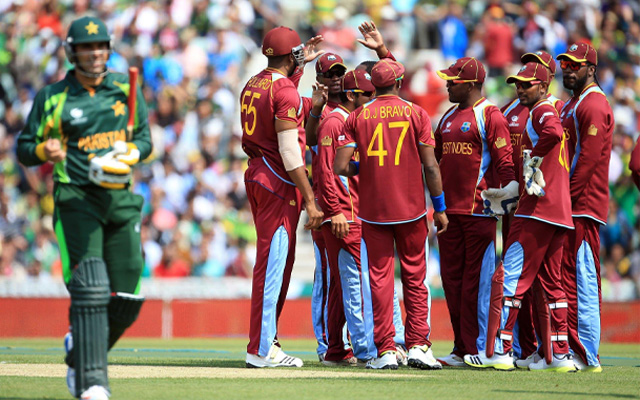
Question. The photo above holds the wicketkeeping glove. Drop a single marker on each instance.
(108, 171)
(500, 201)
(533, 178)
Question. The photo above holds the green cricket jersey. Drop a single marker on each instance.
(86, 120)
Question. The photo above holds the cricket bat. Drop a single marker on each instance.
(131, 101)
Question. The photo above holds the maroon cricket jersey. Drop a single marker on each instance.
(634, 164)
(336, 194)
(587, 119)
(470, 143)
(387, 132)
(543, 135)
(314, 149)
(517, 116)
(266, 97)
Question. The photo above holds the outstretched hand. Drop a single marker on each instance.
(310, 52)
(320, 95)
(372, 37)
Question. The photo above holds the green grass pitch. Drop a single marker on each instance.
(214, 369)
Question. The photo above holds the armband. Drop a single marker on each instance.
(312, 115)
(438, 202)
(357, 165)
(289, 149)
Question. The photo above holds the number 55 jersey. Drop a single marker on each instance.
(388, 132)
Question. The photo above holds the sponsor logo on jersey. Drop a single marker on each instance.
(544, 116)
(326, 141)
(77, 115)
(593, 131)
(342, 137)
(292, 203)
(501, 142)
(447, 127)
(292, 113)
(100, 141)
(514, 118)
(465, 126)
(457, 148)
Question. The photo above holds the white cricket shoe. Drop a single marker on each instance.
(386, 361)
(401, 355)
(95, 393)
(502, 362)
(275, 358)
(421, 357)
(560, 363)
(71, 372)
(525, 362)
(582, 367)
(452, 360)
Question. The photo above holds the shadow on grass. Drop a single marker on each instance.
(560, 393)
(187, 363)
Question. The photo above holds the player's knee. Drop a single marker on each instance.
(124, 309)
(89, 284)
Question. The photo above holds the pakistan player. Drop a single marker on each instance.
(80, 125)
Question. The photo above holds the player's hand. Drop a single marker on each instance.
(126, 152)
(339, 226)
(320, 95)
(500, 201)
(441, 221)
(310, 52)
(533, 177)
(372, 37)
(53, 150)
(315, 216)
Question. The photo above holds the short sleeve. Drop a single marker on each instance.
(286, 101)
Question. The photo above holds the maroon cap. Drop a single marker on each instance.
(279, 41)
(328, 61)
(580, 52)
(530, 72)
(386, 72)
(357, 81)
(466, 69)
(541, 57)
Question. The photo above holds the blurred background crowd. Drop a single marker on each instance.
(194, 57)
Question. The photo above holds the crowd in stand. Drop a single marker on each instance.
(193, 57)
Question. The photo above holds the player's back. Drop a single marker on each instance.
(387, 132)
(266, 97)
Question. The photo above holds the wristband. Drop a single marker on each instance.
(438, 203)
(357, 164)
(312, 115)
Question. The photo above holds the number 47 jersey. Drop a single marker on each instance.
(388, 132)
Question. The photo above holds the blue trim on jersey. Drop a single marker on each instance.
(426, 284)
(266, 188)
(345, 182)
(513, 105)
(278, 252)
(317, 305)
(588, 303)
(588, 216)
(533, 135)
(276, 174)
(395, 222)
(367, 305)
(513, 263)
(484, 294)
(543, 220)
(485, 160)
(354, 145)
(314, 149)
(592, 89)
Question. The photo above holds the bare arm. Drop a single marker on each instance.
(434, 183)
(299, 177)
(319, 99)
(342, 165)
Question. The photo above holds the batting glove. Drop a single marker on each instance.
(109, 172)
(126, 152)
(533, 178)
(500, 201)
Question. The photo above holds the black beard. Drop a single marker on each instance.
(577, 84)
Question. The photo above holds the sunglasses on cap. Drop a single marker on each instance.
(572, 65)
(339, 72)
(527, 85)
(359, 92)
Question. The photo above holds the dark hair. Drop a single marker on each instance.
(384, 90)
(368, 65)
(343, 97)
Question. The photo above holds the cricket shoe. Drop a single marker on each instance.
(71, 372)
(421, 357)
(95, 393)
(502, 362)
(525, 362)
(559, 363)
(347, 362)
(582, 367)
(401, 354)
(321, 356)
(387, 360)
(452, 360)
(275, 358)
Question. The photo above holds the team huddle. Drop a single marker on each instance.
(537, 163)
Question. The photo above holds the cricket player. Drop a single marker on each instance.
(587, 120)
(393, 137)
(524, 337)
(534, 247)
(277, 184)
(81, 125)
(338, 197)
(472, 138)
